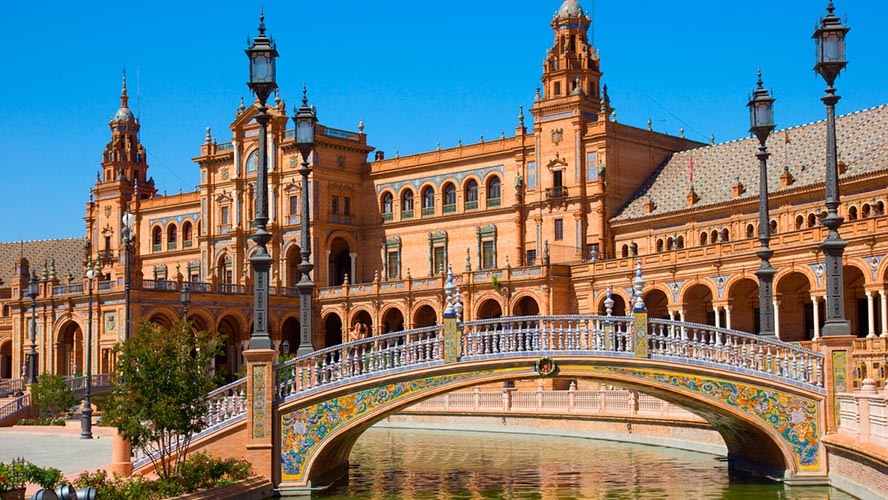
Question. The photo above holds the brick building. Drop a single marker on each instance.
(540, 222)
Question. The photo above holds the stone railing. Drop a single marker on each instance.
(98, 381)
(15, 405)
(618, 402)
(12, 386)
(870, 359)
(863, 415)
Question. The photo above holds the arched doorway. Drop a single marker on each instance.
(697, 305)
(224, 265)
(332, 330)
(293, 260)
(6, 359)
(393, 321)
(69, 350)
(290, 335)
(657, 304)
(796, 315)
(230, 359)
(339, 263)
(856, 308)
(526, 306)
(743, 297)
(490, 309)
(424, 316)
(160, 320)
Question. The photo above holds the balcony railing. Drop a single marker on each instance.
(67, 289)
(171, 245)
(160, 285)
(200, 287)
(493, 202)
(407, 214)
(556, 192)
(426, 211)
(232, 288)
(187, 244)
(471, 205)
(450, 208)
(156, 248)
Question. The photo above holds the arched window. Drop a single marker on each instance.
(670, 244)
(407, 204)
(773, 226)
(852, 213)
(633, 249)
(865, 210)
(624, 251)
(471, 195)
(172, 233)
(680, 242)
(449, 197)
(750, 231)
(703, 238)
(251, 163)
(493, 192)
(713, 237)
(725, 235)
(880, 208)
(812, 220)
(156, 237)
(388, 204)
(428, 201)
(187, 234)
(659, 245)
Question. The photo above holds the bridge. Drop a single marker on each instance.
(299, 420)
(18, 403)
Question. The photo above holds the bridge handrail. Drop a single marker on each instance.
(601, 317)
(557, 333)
(736, 349)
(15, 405)
(11, 386)
(98, 381)
(358, 357)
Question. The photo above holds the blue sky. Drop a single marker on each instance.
(417, 73)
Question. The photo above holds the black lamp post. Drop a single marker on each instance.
(129, 236)
(305, 121)
(262, 54)
(86, 414)
(761, 123)
(830, 44)
(33, 291)
(185, 297)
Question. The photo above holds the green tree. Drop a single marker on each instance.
(51, 395)
(160, 398)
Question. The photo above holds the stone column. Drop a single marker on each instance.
(717, 311)
(816, 300)
(121, 456)
(728, 317)
(777, 317)
(260, 398)
(870, 315)
(884, 303)
(354, 259)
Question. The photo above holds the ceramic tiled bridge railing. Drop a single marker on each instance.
(535, 336)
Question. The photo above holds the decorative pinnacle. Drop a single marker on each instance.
(304, 94)
(261, 21)
(830, 8)
(521, 116)
(608, 301)
(361, 126)
(760, 82)
(638, 285)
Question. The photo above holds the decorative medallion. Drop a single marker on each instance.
(111, 321)
(340, 161)
(545, 366)
(557, 135)
(107, 211)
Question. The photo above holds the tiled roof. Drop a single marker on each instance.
(67, 252)
(862, 139)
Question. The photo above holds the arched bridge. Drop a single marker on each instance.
(765, 397)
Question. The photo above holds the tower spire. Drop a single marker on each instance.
(124, 99)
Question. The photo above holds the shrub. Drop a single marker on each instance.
(51, 395)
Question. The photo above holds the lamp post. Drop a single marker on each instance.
(262, 54)
(129, 236)
(761, 123)
(32, 353)
(185, 297)
(305, 121)
(830, 44)
(86, 414)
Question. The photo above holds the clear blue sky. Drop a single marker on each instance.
(417, 73)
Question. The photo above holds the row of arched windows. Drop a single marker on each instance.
(172, 236)
(448, 198)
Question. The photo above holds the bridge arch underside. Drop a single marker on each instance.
(767, 427)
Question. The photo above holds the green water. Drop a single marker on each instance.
(420, 464)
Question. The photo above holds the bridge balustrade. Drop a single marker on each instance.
(12, 386)
(546, 333)
(16, 405)
(739, 350)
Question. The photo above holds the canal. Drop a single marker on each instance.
(425, 464)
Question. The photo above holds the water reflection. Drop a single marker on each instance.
(419, 464)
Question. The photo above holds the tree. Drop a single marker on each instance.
(51, 395)
(159, 400)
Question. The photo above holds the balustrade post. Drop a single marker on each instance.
(539, 395)
(476, 398)
(507, 396)
(121, 456)
(260, 399)
(838, 374)
(572, 396)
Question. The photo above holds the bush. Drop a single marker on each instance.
(42, 421)
(51, 395)
(18, 473)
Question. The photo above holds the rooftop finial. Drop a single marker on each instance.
(209, 137)
(760, 82)
(304, 94)
(123, 97)
(361, 126)
(261, 21)
(830, 8)
(521, 116)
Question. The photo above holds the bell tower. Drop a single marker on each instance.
(571, 66)
(124, 157)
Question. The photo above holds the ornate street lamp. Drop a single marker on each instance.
(830, 44)
(33, 291)
(305, 121)
(128, 235)
(185, 298)
(761, 123)
(262, 54)
(86, 414)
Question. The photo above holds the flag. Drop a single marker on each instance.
(786, 136)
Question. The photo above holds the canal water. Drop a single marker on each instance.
(408, 464)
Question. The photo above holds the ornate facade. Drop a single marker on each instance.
(543, 221)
